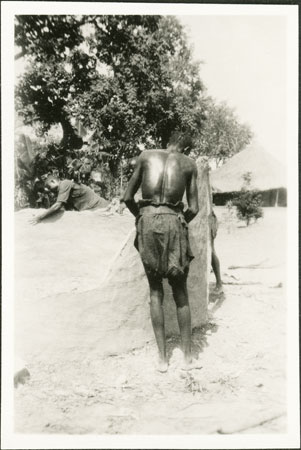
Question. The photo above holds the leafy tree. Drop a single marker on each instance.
(46, 36)
(57, 68)
(222, 134)
(147, 86)
(130, 79)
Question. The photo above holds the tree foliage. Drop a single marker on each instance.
(47, 36)
(137, 97)
(57, 69)
(130, 79)
(222, 134)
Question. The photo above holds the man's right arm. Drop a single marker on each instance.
(133, 187)
(192, 195)
(53, 209)
(63, 196)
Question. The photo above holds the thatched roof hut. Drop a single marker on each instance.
(267, 174)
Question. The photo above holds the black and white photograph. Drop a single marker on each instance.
(150, 225)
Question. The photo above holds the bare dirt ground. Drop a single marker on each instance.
(241, 386)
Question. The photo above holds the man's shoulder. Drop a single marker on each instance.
(153, 151)
(147, 155)
(64, 184)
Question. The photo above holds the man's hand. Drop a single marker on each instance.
(53, 209)
(35, 220)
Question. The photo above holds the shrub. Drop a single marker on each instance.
(248, 206)
(248, 202)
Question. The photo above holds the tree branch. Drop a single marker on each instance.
(20, 54)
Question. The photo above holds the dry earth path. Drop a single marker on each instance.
(240, 388)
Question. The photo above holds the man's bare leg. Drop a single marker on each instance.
(180, 294)
(157, 317)
(216, 269)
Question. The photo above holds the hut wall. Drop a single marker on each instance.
(221, 198)
(268, 197)
(282, 199)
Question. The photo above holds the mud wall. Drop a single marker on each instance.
(80, 284)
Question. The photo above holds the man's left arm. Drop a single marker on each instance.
(192, 195)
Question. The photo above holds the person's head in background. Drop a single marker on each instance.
(52, 182)
(180, 142)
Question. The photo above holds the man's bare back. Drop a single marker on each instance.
(163, 177)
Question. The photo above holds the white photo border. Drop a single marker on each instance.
(11, 440)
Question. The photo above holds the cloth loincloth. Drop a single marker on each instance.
(162, 240)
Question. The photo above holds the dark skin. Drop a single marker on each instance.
(164, 176)
(214, 258)
(52, 185)
(216, 267)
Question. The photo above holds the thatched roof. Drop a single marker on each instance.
(267, 172)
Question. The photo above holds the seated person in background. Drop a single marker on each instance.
(79, 196)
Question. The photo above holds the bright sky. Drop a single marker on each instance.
(244, 63)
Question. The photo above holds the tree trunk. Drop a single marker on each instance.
(70, 141)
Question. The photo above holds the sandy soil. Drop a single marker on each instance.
(241, 386)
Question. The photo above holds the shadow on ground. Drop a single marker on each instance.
(199, 335)
(215, 299)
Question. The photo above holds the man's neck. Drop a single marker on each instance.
(173, 149)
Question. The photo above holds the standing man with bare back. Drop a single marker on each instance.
(162, 232)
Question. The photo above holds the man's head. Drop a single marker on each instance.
(181, 142)
(52, 182)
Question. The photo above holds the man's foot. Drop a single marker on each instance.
(162, 366)
(192, 364)
(218, 289)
